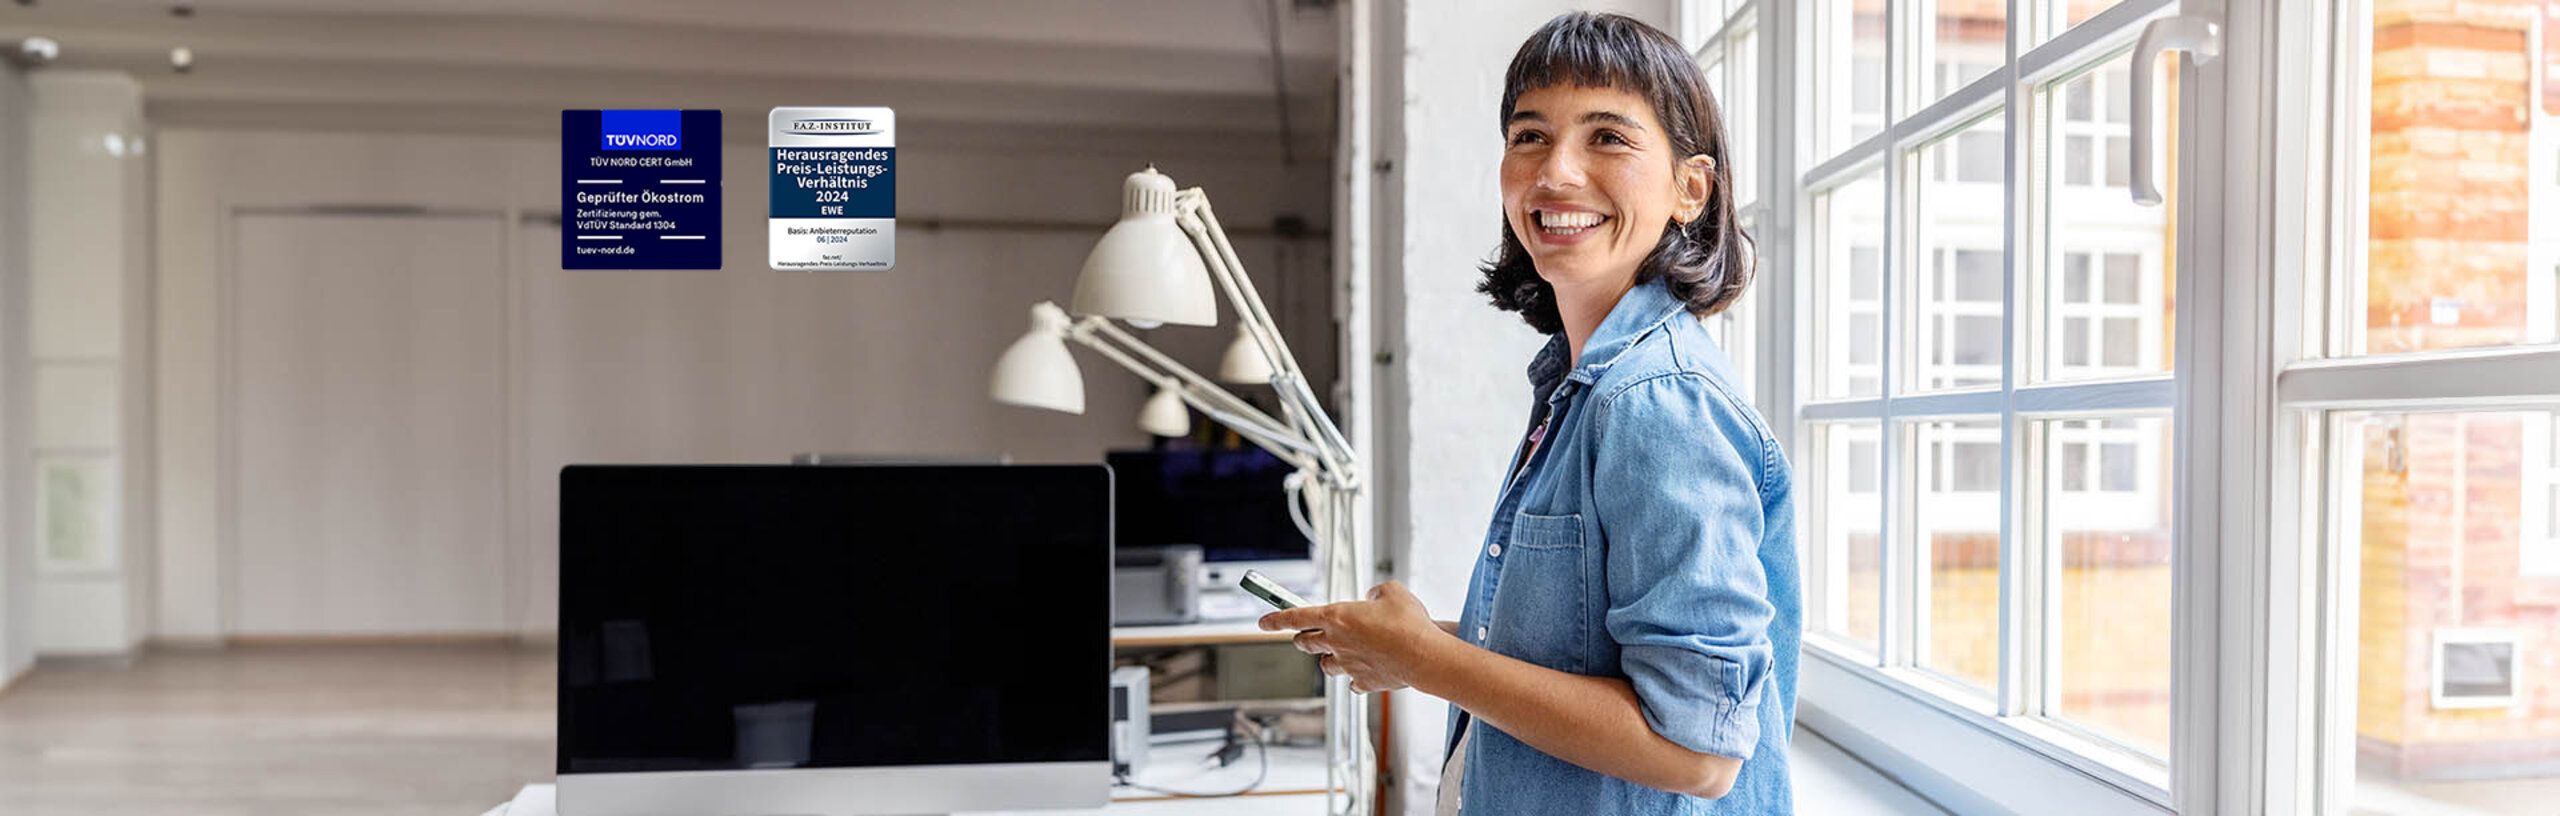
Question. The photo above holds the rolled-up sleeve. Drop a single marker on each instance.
(1676, 480)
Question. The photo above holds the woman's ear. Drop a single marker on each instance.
(1693, 181)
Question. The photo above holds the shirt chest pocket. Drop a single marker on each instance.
(1543, 609)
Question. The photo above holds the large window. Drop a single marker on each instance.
(1982, 413)
(2426, 390)
(2282, 537)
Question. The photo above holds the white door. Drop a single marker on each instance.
(368, 421)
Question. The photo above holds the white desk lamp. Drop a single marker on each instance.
(1154, 267)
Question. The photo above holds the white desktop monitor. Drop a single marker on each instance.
(833, 640)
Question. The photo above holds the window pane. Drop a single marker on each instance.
(1866, 272)
(2119, 467)
(2113, 548)
(1977, 343)
(2076, 104)
(2119, 161)
(1740, 105)
(1849, 50)
(2116, 86)
(2464, 171)
(1712, 67)
(1849, 270)
(1974, 467)
(1957, 465)
(2122, 343)
(1978, 157)
(1978, 275)
(1843, 517)
(1959, 235)
(2124, 278)
(2112, 312)
(1972, 37)
(2454, 702)
(2067, 13)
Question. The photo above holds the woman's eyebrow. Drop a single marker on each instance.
(1613, 118)
(1524, 116)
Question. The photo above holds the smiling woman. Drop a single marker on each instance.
(1629, 639)
(1622, 158)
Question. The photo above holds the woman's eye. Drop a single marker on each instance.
(1527, 137)
(1610, 137)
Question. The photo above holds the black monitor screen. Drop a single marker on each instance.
(720, 618)
(1229, 502)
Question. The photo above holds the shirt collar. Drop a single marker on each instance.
(1641, 310)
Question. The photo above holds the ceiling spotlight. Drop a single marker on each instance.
(181, 59)
(34, 52)
(182, 11)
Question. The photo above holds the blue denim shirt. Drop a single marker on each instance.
(1651, 536)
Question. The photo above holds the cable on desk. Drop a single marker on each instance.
(1262, 758)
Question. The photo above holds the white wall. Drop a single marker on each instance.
(1455, 399)
(741, 364)
(17, 545)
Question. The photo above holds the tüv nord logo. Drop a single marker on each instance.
(643, 130)
(832, 127)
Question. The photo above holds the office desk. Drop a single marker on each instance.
(1206, 633)
(1295, 787)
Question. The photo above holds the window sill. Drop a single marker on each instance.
(2009, 764)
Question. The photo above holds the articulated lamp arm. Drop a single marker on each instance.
(1306, 412)
(1129, 352)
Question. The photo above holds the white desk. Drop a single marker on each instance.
(1206, 633)
(1294, 787)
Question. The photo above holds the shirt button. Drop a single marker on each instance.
(1494, 549)
(1479, 633)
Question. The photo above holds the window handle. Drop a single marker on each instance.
(2200, 38)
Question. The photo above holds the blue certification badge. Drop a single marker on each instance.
(835, 189)
(639, 189)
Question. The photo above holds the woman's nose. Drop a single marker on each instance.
(1562, 170)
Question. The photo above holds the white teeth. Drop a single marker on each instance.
(1567, 220)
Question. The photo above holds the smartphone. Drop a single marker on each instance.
(1269, 591)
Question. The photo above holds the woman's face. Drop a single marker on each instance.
(1589, 179)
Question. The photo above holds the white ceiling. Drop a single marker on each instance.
(1191, 73)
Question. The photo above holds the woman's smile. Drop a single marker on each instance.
(1563, 224)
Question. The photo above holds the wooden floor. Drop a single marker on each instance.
(447, 730)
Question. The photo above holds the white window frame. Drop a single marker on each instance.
(2276, 195)
(1967, 757)
(2316, 70)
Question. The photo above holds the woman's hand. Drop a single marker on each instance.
(1377, 642)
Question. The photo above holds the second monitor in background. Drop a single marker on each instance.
(1230, 503)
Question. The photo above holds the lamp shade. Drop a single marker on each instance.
(1165, 415)
(1145, 269)
(1036, 371)
(1244, 362)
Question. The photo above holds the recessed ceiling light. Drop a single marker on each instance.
(34, 52)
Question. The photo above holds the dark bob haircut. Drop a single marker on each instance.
(1706, 262)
